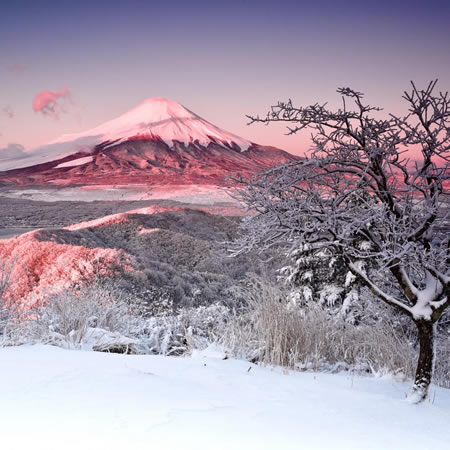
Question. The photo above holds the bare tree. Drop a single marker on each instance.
(373, 192)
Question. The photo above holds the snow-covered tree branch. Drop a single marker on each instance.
(373, 192)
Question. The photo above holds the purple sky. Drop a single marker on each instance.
(92, 61)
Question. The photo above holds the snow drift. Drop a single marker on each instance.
(107, 401)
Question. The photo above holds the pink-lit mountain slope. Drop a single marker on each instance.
(158, 142)
(153, 245)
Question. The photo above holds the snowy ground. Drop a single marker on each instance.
(60, 399)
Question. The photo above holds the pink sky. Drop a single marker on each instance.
(67, 67)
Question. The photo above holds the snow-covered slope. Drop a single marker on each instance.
(54, 398)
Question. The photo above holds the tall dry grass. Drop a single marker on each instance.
(273, 331)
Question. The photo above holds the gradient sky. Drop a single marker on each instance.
(222, 60)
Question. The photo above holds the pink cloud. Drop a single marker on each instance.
(52, 104)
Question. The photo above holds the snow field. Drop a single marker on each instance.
(54, 398)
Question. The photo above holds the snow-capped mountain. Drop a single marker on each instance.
(159, 141)
(164, 119)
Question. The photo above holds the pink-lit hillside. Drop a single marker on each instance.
(48, 261)
(45, 262)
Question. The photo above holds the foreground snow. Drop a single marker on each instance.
(54, 398)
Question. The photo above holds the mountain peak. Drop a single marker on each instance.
(163, 118)
(155, 109)
(160, 100)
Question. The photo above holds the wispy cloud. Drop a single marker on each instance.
(8, 112)
(53, 104)
(17, 68)
(12, 151)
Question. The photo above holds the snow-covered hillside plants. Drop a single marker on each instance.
(274, 329)
(5, 307)
(266, 325)
(10, 312)
(373, 194)
(104, 317)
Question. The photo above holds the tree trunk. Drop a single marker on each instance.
(424, 370)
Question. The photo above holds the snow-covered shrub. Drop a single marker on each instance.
(96, 306)
(318, 277)
(10, 314)
(67, 319)
(182, 332)
(102, 317)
